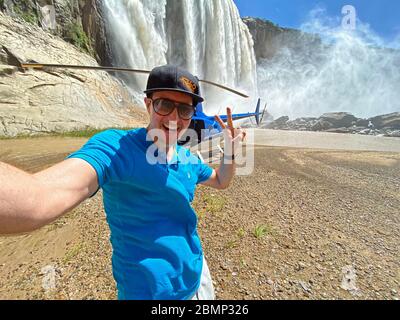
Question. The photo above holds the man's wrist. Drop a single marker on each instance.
(229, 157)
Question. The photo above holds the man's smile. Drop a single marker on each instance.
(171, 127)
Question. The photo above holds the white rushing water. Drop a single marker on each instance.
(207, 37)
(350, 71)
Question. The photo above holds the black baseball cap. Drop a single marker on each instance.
(174, 78)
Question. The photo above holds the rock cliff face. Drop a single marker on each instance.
(79, 22)
(56, 100)
(94, 27)
(269, 38)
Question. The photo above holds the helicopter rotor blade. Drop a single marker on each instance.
(225, 88)
(42, 66)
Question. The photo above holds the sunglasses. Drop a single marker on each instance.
(165, 107)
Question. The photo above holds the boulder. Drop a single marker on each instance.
(278, 123)
(365, 131)
(339, 119)
(321, 125)
(391, 120)
(339, 130)
(393, 134)
(301, 123)
(362, 123)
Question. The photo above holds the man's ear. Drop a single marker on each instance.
(147, 102)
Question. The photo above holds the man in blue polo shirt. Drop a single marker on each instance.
(148, 184)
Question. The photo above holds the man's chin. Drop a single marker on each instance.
(169, 140)
(167, 137)
(172, 137)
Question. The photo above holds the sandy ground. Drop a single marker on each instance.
(323, 140)
(306, 224)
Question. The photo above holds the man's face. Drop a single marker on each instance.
(170, 127)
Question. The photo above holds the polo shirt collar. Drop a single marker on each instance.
(147, 142)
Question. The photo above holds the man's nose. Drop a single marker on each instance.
(174, 116)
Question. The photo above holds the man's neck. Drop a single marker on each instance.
(168, 149)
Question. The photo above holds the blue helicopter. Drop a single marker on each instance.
(206, 127)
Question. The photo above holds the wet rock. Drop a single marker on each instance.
(301, 124)
(339, 119)
(278, 123)
(364, 132)
(340, 122)
(339, 130)
(393, 134)
(363, 123)
(391, 120)
(321, 125)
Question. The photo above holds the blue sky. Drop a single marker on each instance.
(383, 16)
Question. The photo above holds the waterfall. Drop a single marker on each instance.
(350, 71)
(207, 37)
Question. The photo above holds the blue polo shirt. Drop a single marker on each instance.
(157, 252)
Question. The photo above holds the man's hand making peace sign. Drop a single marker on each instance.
(233, 136)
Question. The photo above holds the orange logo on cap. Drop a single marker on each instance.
(188, 84)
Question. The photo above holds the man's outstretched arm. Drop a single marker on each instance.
(30, 201)
(223, 175)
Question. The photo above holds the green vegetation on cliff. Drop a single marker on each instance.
(24, 9)
(69, 25)
(74, 34)
(28, 15)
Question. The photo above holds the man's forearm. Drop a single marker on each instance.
(226, 172)
(19, 200)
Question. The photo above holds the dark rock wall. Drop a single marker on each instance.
(79, 22)
(269, 39)
(94, 26)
